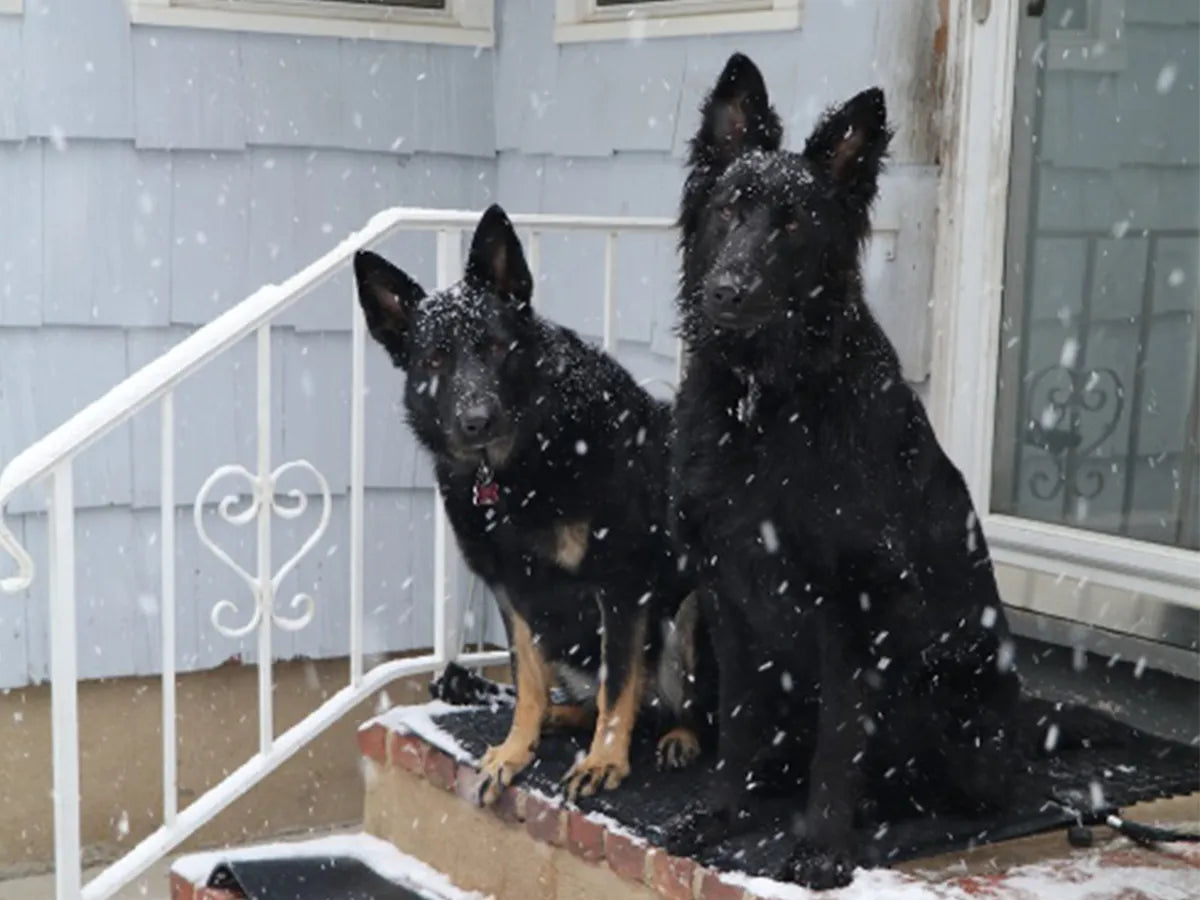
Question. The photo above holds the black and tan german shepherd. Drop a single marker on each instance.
(552, 463)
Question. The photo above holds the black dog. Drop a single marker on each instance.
(860, 639)
(552, 463)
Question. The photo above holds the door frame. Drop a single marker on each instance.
(976, 154)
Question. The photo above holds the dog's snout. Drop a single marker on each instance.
(476, 421)
(725, 291)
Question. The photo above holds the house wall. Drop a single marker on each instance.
(152, 177)
(603, 128)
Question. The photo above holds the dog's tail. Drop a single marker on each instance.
(459, 686)
(1048, 727)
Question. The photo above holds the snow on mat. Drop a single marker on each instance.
(377, 855)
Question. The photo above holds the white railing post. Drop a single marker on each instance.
(447, 639)
(167, 606)
(610, 305)
(358, 392)
(64, 699)
(264, 485)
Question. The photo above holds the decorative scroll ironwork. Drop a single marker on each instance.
(1059, 427)
(263, 501)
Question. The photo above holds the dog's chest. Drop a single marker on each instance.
(766, 485)
(513, 531)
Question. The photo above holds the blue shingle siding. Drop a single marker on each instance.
(78, 69)
(106, 238)
(46, 375)
(153, 177)
(210, 234)
(12, 81)
(188, 92)
(20, 232)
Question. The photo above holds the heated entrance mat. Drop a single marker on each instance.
(1067, 788)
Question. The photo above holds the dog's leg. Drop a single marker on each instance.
(741, 728)
(677, 679)
(618, 700)
(835, 775)
(533, 677)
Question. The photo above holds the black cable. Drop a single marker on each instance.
(1148, 835)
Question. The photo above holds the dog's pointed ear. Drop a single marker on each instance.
(850, 143)
(496, 259)
(737, 116)
(388, 298)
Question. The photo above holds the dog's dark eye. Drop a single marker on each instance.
(500, 348)
(792, 225)
(435, 360)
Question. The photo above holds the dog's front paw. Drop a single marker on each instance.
(597, 771)
(499, 766)
(819, 869)
(677, 749)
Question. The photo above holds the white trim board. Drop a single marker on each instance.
(972, 226)
(463, 22)
(583, 20)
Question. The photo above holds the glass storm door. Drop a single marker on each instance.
(1069, 301)
(1097, 408)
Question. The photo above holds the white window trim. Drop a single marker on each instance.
(462, 22)
(584, 20)
(973, 199)
(10, 7)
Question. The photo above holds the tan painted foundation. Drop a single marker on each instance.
(121, 759)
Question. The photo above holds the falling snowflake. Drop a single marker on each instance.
(148, 604)
(1166, 78)
(1051, 738)
(1070, 351)
(769, 537)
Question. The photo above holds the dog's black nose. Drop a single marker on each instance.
(476, 421)
(725, 291)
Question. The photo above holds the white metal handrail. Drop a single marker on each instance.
(51, 459)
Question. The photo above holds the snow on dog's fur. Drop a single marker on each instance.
(861, 644)
(552, 463)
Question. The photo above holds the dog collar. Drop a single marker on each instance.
(748, 402)
(487, 491)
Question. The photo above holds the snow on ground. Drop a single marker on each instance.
(381, 856)
(418, 720)
(1081, 878)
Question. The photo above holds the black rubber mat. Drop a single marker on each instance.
(1047, 792)
(309, 878)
